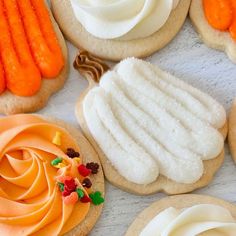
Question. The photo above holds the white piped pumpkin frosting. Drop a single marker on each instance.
(204, 219)
(148, 122)
(126, 19)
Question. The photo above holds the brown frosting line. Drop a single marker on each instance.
(89, 65)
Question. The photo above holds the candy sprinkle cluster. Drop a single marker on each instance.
(70, 187)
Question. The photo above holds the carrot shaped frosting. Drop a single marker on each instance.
(22, 76)
(2, 79)
(29, 48)
(221, 15)
(232, 28)
(41, 36)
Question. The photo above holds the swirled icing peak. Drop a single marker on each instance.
(204, 219)
(89, 65)
(129, 19)
(42, 190)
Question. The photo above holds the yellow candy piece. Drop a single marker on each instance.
(77, 159)
(57, 139)
(60, 165)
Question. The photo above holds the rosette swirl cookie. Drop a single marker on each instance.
(215, 20)
(115, 30)
(153, 132)
(33, 56)
(186, 215)
(48, 184)
(232, 131)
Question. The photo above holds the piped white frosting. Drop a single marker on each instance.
(204, 219)
(148, 122)
(126, 19)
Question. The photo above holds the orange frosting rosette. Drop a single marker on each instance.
(31, 202)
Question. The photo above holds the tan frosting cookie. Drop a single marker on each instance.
(232, 131)
(179, 202)
(116, 49)
(12, 104)
(93, 68)
(89, 155)
(213, 38)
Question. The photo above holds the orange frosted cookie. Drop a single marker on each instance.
(49, 185)
(215, 20)
(31, 48)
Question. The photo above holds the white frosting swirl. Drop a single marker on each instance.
(129, 19)
(204, 219)
(147, 121)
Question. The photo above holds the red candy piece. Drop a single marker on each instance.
(83, 170)
(70, 185)
(66, 193)
(85, 199)
(62, 179)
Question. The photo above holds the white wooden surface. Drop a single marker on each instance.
(188, 58)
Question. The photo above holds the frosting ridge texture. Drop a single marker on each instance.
(147, 123)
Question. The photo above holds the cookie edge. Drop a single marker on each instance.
(180, 202)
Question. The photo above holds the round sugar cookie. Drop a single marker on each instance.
(87, 155)
(179, 202)
(116, 50)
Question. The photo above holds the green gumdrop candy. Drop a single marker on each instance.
(97, 198)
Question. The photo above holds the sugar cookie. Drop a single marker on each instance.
(117, 49)
(125, 118)
(232, 131)
(196, 211)
(29, 74)
(51, 183)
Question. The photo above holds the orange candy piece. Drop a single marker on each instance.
(71, 199)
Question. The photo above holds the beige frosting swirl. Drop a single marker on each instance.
(204, 219)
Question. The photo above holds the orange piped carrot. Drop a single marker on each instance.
(2, 79)
(41, 37)
(22, 76)
(232, 28)
(219, 13)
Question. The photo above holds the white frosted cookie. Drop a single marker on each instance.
(213, 38)
(137, 30)
(232, 131)
(153, 132)
(185, 215)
